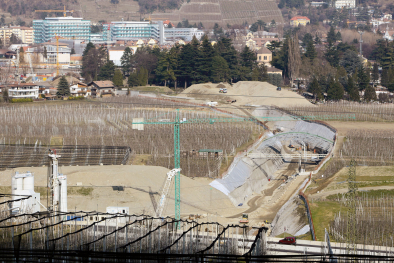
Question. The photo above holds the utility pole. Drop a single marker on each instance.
(361, 42)
(351, 235)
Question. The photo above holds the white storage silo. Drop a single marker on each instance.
(28, 182)
(63, 193)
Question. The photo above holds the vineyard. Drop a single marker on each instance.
(372, 213)
(110, 124)
(224, 12)
(363, 112)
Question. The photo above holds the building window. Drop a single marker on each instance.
(265, 57)
(259, 57)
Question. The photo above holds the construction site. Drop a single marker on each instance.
(153, 177)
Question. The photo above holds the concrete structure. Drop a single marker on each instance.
(22, 186)
(299, 20)
(115, 54)
(65, 27)
(102, 88)
(264, 55)
(25, 34)
(22, 90)
(35, 54)
(317, 4)
(345, 4)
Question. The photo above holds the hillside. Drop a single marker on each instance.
(223, 12)
(208, 12)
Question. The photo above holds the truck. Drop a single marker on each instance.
(223, 90)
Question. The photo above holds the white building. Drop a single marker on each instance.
(22, 90)
(345, 4)
(115, 54)
(35, 55)
(182, 33)
(22, 186)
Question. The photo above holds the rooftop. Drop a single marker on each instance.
(299, 17)
(103, 84)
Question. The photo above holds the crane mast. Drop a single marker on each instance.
(166, 188)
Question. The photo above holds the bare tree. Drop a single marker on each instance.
(294, 59)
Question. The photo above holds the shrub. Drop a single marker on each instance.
(76, 98)
(21, 100)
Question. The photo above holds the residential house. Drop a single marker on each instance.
(22, 90)
(299, 20)
(264, 55)
(167, 23)
(103, 88)
(25, 34)
(80, 89)
(339, 4)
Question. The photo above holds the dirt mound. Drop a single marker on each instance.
(247, 93)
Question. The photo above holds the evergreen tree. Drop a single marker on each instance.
(331, 36)
(88, 47)
(142, 77)
(118, 78)
(125, 61)
(227, 51)
(45, 55)
(390, 80)
(315, 88)
(107, 71)
(352, 90)
(166, 66)
(63, 89)
(369, 94)
(335, 90)
(338, 36)
(21, 55)
(311, 51)
(375, 72)
(385, 77)
(72, 51)
(187, 63)
(133, 80)
(248, 58)
(179, 25)
(204, 62)
(363, 78)
(220, 70)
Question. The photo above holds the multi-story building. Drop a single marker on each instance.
(345, 4)
(25, 34)
(22, 90)
(124, 30)
(299, 20)
(186, 34)
(35, 55)
(64, 27)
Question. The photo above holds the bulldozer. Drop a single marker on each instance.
(244, 219)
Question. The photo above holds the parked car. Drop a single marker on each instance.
(288, 241)
(278, 88)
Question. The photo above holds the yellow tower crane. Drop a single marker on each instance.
(57, 53)
(64, 11)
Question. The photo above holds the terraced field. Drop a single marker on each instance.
(224, 12)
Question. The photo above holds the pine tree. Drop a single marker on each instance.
(369, 94)
(385, 77)
(331, 36)
(310, 51)
(107, 71)
(118, 78)
(125, 61)
(315, 88)
(143, 77)
(352, 90)
(72, 51)
(133, 80)
(204, 62)
(220, 70)
(335, 90)
(363, 78)
(375, 72)
(63, 89)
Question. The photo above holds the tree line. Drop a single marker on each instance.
(179, 66)
(335, 70)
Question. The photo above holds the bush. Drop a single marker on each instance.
(21, 100)
(76, 98)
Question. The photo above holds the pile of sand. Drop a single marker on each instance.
(247, 93)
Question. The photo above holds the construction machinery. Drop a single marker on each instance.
(57, 53)
(166, 188)
(64, 11)
(178, 121)
(244, 219)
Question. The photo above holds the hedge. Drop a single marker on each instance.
(21, 100)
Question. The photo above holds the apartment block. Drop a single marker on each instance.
(25, 34)
(65, 27)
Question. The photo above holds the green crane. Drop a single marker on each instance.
(177, 149)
